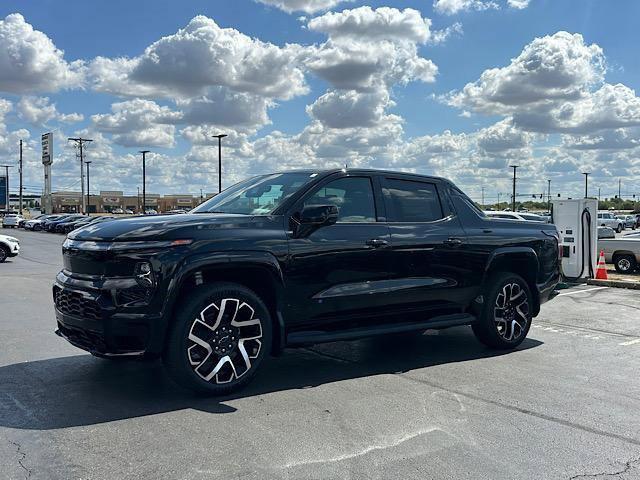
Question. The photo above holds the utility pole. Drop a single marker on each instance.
(6, 175)
(549, 195)
(498, 200)
(219, 137)
(138, 212)
(515, 167)
(598, 194)
(586, 184)
(79, 141)
(87, 163)
(144, 180)
(483, 197)
(620, 188)
(20, 192)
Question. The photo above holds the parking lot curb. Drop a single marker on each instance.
(614, 283)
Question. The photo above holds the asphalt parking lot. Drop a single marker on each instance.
(565, 405)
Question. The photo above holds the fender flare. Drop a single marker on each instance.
(499, 253)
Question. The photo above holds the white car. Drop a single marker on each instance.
(9, 247)
(11, 221)
(527, 217)
(608, 219)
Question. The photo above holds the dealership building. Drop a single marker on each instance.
(108, 201)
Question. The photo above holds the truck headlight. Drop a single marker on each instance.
(144, 275)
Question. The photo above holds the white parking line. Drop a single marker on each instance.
(630, 342)
(580, 291)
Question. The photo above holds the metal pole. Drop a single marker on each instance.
(220, 137)
(513, 205)
(88, 199)
(619, 188)
(483, 198)
(598, 194)
(586, 184)
(20, 192)
(138, 200)
(6, 184)
(80, 142)
(498, 200)
(144, 181)
(549, 196)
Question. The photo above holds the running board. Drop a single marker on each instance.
(315, 336)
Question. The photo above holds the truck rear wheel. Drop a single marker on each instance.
(219, 338)
(625, 263)
(505, 317)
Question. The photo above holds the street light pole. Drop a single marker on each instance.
(87, 163)
(549, 195)
(513, 204)
(219, 137)
(144, 180)
(586, 183)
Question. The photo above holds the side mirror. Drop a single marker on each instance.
(319, 215)
(313, 217)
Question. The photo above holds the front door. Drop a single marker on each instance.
(336, 269)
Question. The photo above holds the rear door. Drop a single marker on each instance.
(339, 269)
(427, 246)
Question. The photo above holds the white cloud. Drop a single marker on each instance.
(39, 111)
(200, 56)
(139, 122)
(9, 139)
(344, 109)
(366, 24)
(30, 62)
(451, 7)
(518, 4)
(551, 68)
(307, 6)
(503, 138)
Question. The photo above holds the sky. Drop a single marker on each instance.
(456, 88)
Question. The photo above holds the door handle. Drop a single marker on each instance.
(377, 242)
(453, 242)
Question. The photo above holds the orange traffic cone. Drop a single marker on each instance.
(601, 271)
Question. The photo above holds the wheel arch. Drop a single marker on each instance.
(258, 271)
(522, 261)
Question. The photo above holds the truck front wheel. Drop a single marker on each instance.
(505, 317)
(219, 337)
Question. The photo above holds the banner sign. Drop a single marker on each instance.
(47, 149)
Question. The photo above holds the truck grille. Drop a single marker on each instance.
(75, 305)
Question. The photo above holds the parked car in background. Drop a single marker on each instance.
(128, 212)
(527, 217)
(608, 219)
(630, 221)
(58, 226)
(175, 212)
(117, 211)
(71, 226)
(11, 221)
(606, 232)
(624, 253)
(9, 247)
(38, 225)
(150, 211)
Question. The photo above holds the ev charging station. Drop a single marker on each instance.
(577, 223)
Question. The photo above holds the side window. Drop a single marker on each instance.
(352, 195)
(412, 201)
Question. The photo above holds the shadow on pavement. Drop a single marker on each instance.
(83, 390)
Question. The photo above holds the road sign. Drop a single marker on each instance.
(47, 149)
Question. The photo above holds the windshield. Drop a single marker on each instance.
(257, 195)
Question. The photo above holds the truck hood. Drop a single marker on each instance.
(158, 227)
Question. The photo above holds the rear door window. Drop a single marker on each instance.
(412, 201)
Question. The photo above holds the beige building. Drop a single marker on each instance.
(108, 201)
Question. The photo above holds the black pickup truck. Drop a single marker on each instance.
(299, 258)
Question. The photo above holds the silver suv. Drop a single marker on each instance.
(608, 219)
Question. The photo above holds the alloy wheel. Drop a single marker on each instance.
(3, 254)
(224, 340)
(511, 312)
(624, 264)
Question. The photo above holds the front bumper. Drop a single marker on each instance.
(14, 249)
(90, 316)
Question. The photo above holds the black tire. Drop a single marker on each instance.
(192, 364)
(619, 229)
(625, 263)
(37, 228)
(512, 330)
(4, 253)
